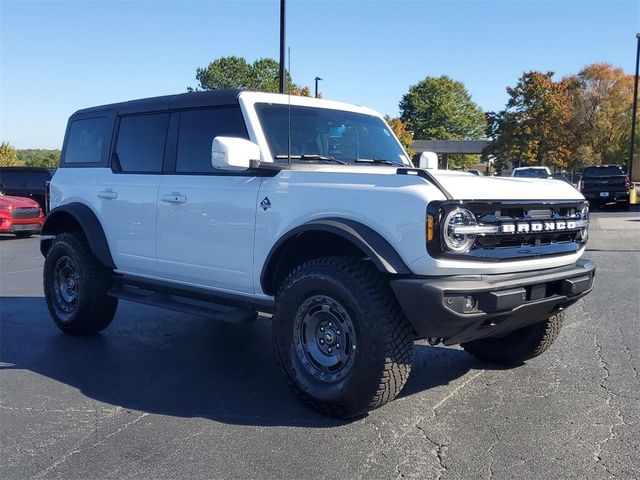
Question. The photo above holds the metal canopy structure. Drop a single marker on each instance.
(450, 146)
(446, 147)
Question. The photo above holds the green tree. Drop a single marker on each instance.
(225, 72)
(440, 108)
(535, 127)
(39, 158)
(263, 75)
(8, 156)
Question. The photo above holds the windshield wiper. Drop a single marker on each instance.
(311, 157)
(379, 161)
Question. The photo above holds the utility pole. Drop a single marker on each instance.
(633, 111)
(283, 16)
(317, 80)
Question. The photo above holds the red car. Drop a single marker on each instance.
(21, 216)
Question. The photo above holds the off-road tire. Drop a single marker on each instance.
(518, 346)
(382, 356)
(92, 309)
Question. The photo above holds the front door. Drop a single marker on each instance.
(206, 217)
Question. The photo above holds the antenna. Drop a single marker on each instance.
(289, 119)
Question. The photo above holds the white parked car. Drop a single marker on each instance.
(531, 172)
(229, 203)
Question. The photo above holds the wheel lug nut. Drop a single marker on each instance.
(338, 345)
(337, 332)
(321, 342)
(329, 349)
(330, 324)
(322, 329)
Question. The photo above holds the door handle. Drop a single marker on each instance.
(174, 198)
(107, 194)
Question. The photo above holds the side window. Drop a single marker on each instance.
(86, 141)
(198, 129)
(140, 144)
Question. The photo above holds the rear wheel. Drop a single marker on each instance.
(341, 339)
(518, 346)
(75, 287)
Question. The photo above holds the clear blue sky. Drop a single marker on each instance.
(59, 56)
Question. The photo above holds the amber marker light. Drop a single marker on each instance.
(429, 227)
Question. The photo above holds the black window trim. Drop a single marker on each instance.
(171, 145)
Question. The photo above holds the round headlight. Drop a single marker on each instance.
(457, 242)
(584, 231)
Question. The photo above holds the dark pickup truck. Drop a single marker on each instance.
(27, 182)
(605, 184)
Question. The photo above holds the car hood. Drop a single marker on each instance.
(463, 186)
(17, 202)
(466, 186)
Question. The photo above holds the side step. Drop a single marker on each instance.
(182, 304)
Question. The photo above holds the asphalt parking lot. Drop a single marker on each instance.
(165, 395)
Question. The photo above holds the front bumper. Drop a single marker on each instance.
(461, 308)
(8, 225)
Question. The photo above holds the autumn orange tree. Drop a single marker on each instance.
(402, 132)
(535, 126)
(601, 124)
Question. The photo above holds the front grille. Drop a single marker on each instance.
(512, 230)
(27, 212)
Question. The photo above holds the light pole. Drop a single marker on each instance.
(317, 80)
(633, 111)
(282, 44)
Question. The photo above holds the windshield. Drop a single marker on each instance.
(321, 134)
(532, 173)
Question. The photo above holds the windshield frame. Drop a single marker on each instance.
(250, 100)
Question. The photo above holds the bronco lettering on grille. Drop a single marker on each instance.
(538, 227)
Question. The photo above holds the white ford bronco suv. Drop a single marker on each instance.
(228, 203)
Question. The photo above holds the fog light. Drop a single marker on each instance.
(470, 303)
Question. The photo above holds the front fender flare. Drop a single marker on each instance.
(368, 241)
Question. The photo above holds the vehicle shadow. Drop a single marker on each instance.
(165, 363)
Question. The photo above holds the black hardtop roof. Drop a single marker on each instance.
(208, 98)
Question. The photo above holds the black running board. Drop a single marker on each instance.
(195, 301)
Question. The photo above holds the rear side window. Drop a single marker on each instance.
(140, 144)
(86, 141)
(198, 129)
(531, 173)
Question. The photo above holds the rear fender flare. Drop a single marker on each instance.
(77, 216)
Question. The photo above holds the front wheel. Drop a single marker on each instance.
(342, 341)
(518, 346)
(75, 287)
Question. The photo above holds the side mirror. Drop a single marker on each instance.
(230, 153)
(429, 160)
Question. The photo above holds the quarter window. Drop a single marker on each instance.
(198, 129)
(86, 141)
(141, 141)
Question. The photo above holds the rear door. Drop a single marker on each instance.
(128, 195)
(206, 217)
